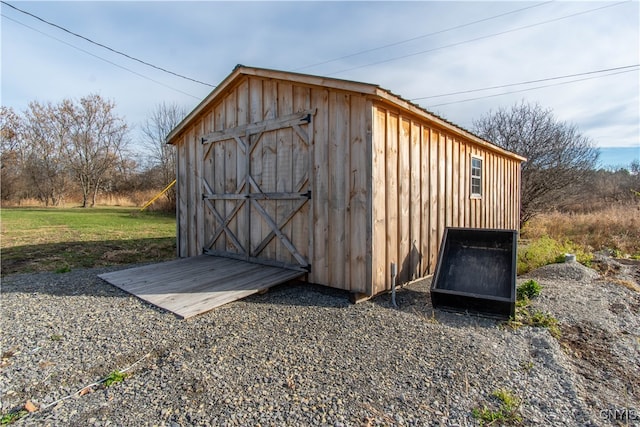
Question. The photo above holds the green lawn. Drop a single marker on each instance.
(39, 239)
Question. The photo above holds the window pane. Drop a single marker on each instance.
(476, 176)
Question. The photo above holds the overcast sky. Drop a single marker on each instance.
(414, 49)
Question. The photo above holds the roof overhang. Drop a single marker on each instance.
(241, 70)
(374, 91)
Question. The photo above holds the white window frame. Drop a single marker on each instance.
(473, 178)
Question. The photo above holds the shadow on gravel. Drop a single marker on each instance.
(302, 294)
(65, 256)
(415, 299)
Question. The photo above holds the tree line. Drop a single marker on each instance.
(561, 169)
(52, 151)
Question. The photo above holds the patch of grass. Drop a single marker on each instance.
(12, 416)
(535, 319)
(114, 378)
(63, 269)
(508, 410)
(545, 250)
(527, 290)
(52, 239)
(540, 319)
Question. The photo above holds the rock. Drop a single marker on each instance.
(30, 406)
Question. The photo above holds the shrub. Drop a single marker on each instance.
(545, 250)
(508, 411)
(527, 290)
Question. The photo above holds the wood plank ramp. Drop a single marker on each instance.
(191, 286)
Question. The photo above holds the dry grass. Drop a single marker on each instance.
(615, 228)
(129, 199)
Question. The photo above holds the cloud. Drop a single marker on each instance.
(205, 40)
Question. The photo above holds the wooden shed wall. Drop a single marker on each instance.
(421, 184)
(385, 181)
(339, 211)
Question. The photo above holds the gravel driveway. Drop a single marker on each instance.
(303, 355)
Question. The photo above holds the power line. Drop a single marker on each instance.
(420, 37)
(528, 89)
(104, 46)
(525, 83)
(99, 57)
(478, 38)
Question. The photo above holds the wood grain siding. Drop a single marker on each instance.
(391, 193)
(421, 184)
(415, 203)
(385, 178)
(378, 202)
(358, 173)
(341, 177)
(434, 139)
(335, 237)
(424, 210)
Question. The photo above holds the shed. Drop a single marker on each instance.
(336, 178)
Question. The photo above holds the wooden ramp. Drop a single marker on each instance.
(191, 286)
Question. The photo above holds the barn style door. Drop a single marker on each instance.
(256, 191)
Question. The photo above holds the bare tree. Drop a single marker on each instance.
(44, 135)
(97, 139)
(558, 156)
(164, 118)
(10, 152)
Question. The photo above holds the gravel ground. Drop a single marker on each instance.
(303, 355)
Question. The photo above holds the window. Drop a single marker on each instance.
(476, 177)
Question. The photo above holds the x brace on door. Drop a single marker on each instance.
(249, 193)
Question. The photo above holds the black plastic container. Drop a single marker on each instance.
(476, 272)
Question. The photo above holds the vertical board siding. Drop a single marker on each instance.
(183, 197)
(218, 179)
(421, 184)
(320, 192)
(242, 118)
(300, 224)
(442, 169)
(434, 138)
(391, 190)
(230, 164)
(255, 115)
(338, 128)
(284, 168)
(378, 201)
(199, 174)
(193, 187)
(403, 258)
(415, 203)
(268, 156)
(425, 206)
(454, 194)
(358, 178)
(384, 183)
